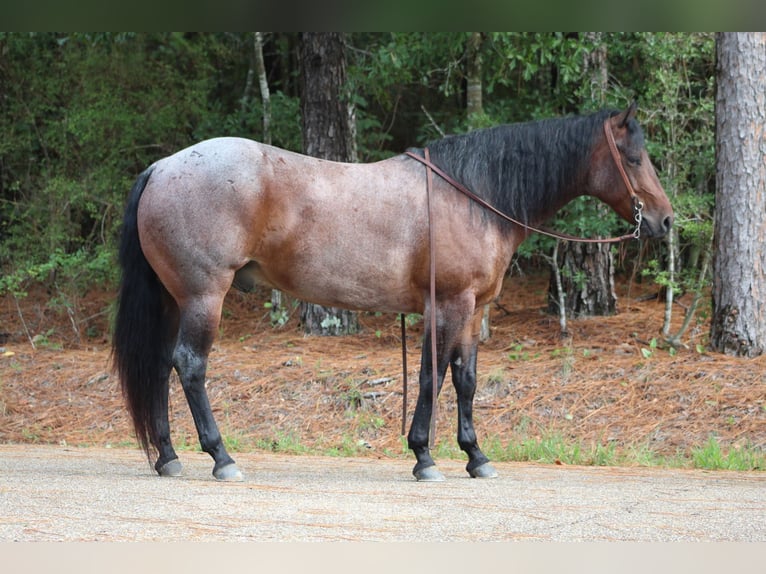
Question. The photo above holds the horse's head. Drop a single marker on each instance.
(624, 177)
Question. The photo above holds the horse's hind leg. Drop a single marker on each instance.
(199, 322)
(418, 438)
(167, 461)
(450, 321)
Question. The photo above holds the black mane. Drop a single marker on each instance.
(526, 170)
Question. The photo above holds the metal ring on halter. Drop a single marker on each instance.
(638, 216)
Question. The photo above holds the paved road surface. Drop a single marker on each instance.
(72, 494)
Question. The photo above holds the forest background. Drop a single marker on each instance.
(81, 114)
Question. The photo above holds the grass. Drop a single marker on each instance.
(551, 448)
(711, 456)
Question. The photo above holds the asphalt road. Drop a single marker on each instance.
(82, 494)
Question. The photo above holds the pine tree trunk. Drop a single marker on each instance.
(738, 326)
(587, 279)
(326, 115)
(474, 110)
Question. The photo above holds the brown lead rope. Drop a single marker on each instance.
(432, 258)
(404, 378)
(432, 299)
(426, 160)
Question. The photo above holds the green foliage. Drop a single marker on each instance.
(279, 316)
(675, 77)
(81, 114)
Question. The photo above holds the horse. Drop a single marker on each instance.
(234, 212)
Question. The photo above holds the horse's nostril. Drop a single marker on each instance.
(667, 223)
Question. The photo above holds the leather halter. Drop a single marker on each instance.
(638, 205)
(430, 167)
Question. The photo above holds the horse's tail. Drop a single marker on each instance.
(144, 330)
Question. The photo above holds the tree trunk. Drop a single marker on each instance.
(474, 106)
(277, 302)
(587, 270)
(263, 84)
(326, 115)
(474, 110)
(587, 279)
(595, 68)
(738, 326)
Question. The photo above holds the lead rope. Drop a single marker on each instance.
(404, 378)
(432, 303)
(432, 258)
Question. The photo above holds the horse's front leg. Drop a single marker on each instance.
(463, 366)
(425, 469)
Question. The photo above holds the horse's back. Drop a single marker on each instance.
(325, 231)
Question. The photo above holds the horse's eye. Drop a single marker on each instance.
(634, 161)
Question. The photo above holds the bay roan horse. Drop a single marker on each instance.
(231, 211)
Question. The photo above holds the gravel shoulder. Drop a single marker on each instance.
(50, 493)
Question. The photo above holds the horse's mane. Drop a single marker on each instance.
(524, 169)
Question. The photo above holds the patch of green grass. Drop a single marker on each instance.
(287, 443)
(348, 447)
(184, 442)
(552, 448)
(519, 354)
(711, 456)
(235, 441)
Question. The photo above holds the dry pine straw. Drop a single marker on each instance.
(606, 384)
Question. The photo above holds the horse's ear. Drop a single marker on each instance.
(628, 114)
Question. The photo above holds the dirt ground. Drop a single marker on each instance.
(276, 389)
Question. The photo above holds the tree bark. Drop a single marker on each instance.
(738, 326)
(263, 84)
(474, 110)
(474, 106)
(326, 116)
(587, 278)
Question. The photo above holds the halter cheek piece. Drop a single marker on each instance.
(638, 205)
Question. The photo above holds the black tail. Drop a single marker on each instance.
(142, 343)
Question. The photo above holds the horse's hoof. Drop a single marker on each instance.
(485, 470)
(228, 473)
(171, 468)
(428, 474)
